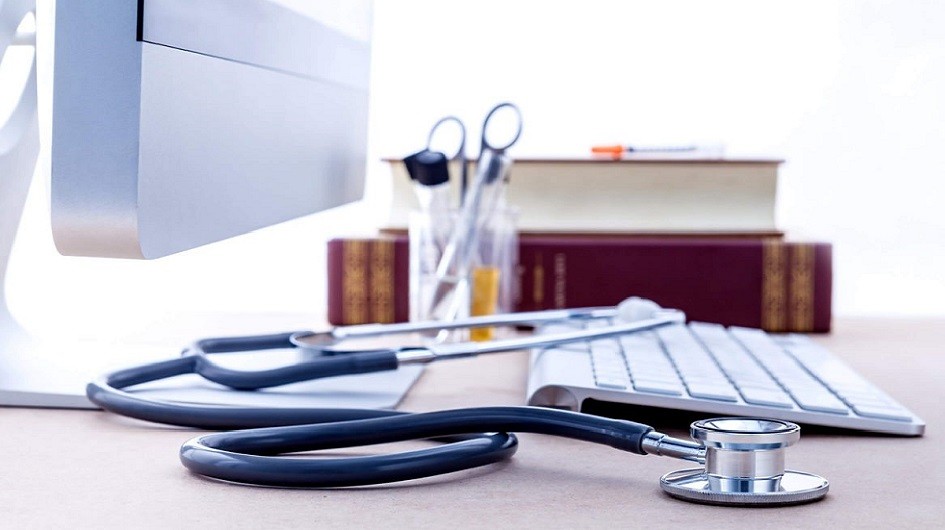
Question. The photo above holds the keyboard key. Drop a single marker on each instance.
(612, 382)
(659, 377)
(657, 387)
(607, 360)
(883, 413)
(869, 400)
(771, 398)
(710, 379)
(714, 392)
(820, 401)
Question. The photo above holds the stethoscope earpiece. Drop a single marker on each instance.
(744, 466)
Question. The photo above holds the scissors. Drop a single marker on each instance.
(484, 143)
(479, 200)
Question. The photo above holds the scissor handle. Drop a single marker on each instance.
(485, 127)
(461, 150)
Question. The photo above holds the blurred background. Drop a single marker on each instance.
(849, 93)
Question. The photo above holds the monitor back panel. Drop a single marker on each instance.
(179, 125)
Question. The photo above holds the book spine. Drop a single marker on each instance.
(769, 284)
(367, 281)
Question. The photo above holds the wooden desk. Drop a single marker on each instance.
(82, 469)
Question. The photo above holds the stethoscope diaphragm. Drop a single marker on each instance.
(796, 488)
(744, 466)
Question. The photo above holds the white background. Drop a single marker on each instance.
(849, 93)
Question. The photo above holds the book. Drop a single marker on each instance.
(771, 284)
(773, 234)
(632, 194)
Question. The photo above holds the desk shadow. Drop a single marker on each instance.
(124, 421)
(673, 421)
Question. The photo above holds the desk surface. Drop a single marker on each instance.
(91, 469)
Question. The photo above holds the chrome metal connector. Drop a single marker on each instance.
(656, 443)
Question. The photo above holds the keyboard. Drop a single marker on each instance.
(717, 370)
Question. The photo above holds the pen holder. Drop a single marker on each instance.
(483, 284)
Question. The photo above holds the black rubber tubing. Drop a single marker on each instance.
(250, 455)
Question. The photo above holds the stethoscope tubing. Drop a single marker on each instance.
(471, 437)
(249, 456)
(108, 392)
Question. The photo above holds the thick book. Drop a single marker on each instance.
(771, 284)
(634, 194)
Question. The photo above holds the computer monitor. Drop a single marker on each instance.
(176, 124)
(179, 123)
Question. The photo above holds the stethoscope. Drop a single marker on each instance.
(743, 459)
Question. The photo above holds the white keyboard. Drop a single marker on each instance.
(717, 370)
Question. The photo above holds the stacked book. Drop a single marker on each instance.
(697, 234)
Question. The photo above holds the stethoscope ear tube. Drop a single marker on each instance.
(107, 392)
(319, 368)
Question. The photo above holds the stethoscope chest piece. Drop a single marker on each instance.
(744, 466)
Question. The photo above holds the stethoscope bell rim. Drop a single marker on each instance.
(733, 447)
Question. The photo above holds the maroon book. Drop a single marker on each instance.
(764, 283)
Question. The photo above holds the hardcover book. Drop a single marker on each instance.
(771, 284)
(633, 194)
